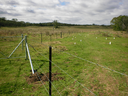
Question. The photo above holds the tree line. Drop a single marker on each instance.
(119, 23)
(15, 23)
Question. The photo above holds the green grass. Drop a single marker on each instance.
(100, 81)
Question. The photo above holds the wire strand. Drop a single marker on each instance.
(48, 78)
(65, 72)
(92, 62)
(42, 82)
(58, 80)
(89, 61)
(3, 54)
(10, 36)
(50, 81)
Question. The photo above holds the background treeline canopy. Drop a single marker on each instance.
(16, 23)
(119, 23)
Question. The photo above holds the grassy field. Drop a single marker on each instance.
(71, 57)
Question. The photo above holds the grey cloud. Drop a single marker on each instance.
(14, 14)
(4, 12)
(91, 13)
(69, 19)
(32, 3)
(84, 5)
(12, 2)
(76, 11)
(110, 6)
(30, 11)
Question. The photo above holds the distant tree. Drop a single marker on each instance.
(14, 19)
(93, 24)
(2, 19)
(55, 23)
(120, 23)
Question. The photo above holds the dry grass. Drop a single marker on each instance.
(5, 31)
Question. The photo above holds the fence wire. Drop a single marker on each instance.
(16, 48)
(47, 77)
(64, 71)
(42, 83)
(10, 36)
(3, 54)
(89, 61)
(50, 71)
(13, 50)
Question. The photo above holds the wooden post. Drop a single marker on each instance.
(61, 34)
(41, 37)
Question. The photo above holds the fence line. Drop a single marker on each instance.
(89, 61)
(46, 76)
(42, 82)
(57, 65)
(50, 71)
(10, 36)
(16, 48)
(64, 71)
(86, 61)
(48, 79)
(74, 79)
(3, 54)
(42, 71)
(58, 80)
(13, 57)
(60, 34)
(92, 62)
(97, 64)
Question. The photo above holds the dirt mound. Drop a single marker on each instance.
(56, 42)
(44, 77)
(61, 48)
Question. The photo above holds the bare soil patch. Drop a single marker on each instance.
(34, 78)
(62, 48)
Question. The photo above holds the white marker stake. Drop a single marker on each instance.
(114, 38)
(96, 37)
(106, 38)
(109, 43)
(75, 43)
(80, 40)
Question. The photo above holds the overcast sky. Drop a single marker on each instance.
(65, 11)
